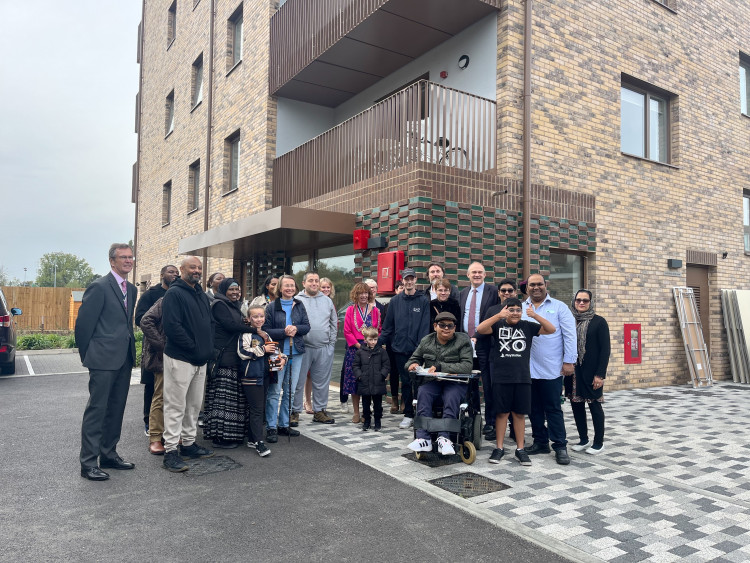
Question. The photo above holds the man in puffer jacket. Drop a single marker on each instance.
(319, 344)
(152, 359)
(447, 351)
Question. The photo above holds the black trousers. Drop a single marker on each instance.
(597, 417)
(147, 378)
(256, 405)
(377, 401)
(102, 420)
(394, 376)
(407, 384)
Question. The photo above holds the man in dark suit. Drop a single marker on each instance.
(475, 300)
(105, 340)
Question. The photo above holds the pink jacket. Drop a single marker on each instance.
(351, 332)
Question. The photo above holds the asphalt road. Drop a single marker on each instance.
(303, 502)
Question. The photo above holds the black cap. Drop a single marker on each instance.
(445, 316)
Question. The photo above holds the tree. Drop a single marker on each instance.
(72, 271)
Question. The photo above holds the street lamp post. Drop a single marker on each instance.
(55, 274)
(24, 276)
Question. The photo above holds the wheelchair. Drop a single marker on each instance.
(467, 428)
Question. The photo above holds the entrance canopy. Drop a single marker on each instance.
(286, 229)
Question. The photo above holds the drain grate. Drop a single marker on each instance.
(467, 485)
(208, 465)
(656, 397)
(432, 459)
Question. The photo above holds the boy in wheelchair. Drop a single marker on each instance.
(445, 351)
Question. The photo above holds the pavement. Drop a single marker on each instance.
(673, 484)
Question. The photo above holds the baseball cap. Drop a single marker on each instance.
(406, 272)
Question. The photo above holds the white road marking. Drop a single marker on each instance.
(28, 365)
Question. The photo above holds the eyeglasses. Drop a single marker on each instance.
(506, 290)
(447, 326)
(583, 300)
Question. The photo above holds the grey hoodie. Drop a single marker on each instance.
(323, 320)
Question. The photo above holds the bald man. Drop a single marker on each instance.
(188, 326)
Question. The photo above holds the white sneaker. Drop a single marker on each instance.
(421, 445)
(594, 451)
(580, 447)
(445, 446)
(345, 408)
(406, 423)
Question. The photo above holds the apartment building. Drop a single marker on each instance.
(603, 144)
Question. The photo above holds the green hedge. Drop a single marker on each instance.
(51, 341)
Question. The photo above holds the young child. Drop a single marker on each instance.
(371, 367)
(511, 375)
(254, 350)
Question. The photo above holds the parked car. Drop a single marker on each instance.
(7, 336)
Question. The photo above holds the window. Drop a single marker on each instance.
(566, 276)
(194, 185)
(232, 162)
(196, 91)
(171, 23)
(671, 4)
(644, 122)
(169, 114)
(234, 39)
(744, 73)
(166, 203)
(746, 220)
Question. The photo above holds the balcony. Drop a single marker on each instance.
(326, 51)
(425, 124)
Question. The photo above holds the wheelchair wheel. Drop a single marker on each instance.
(477, 438)
(468, 453)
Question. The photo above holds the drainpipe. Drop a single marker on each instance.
(526, 192)
(140, 124)
(209, 127)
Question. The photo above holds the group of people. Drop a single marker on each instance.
(255, 366)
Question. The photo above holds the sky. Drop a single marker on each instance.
(69, 79)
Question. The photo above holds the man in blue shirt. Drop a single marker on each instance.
(552, 357)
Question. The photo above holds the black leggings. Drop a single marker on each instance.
(256, 404)
(597, 417)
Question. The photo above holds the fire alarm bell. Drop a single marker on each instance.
(361, 236)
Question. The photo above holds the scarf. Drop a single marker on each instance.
(582, 323)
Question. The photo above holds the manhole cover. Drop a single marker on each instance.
(467, 485)
(703, 393)
(432, 459)
(208, 465)
(655, 397)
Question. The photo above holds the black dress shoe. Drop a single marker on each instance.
(115, 463)
(286, 431)
(537, 448)
(94, 474)
(561, 456)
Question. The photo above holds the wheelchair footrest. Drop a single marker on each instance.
(437, 424)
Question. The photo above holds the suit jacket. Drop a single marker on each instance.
(104, 329)
(489, 298)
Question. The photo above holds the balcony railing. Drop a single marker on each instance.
(424, 122)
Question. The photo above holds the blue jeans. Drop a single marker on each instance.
(545, 404)
(451, 393)
(279, 414)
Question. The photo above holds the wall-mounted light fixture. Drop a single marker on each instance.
(463, 62)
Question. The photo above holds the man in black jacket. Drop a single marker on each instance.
(167, 276)
(406, 324)
(188, 326)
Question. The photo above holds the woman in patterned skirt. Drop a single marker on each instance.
(359, 315)
(225, 412)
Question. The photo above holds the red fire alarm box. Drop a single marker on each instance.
(633, 352)
(361, 237)
(390, 265)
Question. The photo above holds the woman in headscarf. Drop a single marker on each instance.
(585, 386)
(225, 411)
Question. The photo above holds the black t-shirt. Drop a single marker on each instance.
(511, 350)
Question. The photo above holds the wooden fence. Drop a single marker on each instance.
(44, 308)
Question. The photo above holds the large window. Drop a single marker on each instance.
(567, 275)
(169, 114)
(644, 122)
(746, 220)
(196, 96)
(234, 39)
(194, 185)
(166, 203)
(232, 162)
(744, 73)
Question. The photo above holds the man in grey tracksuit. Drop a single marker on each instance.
(319, 343)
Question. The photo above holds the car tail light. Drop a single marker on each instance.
(4, 320)
(3, 349)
